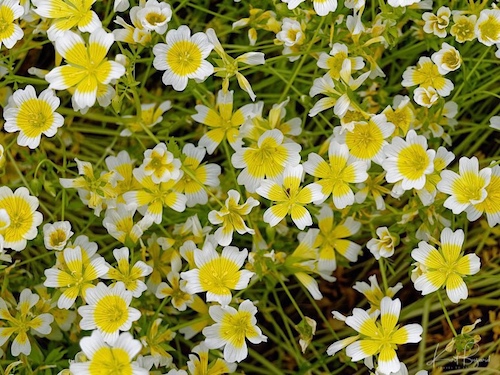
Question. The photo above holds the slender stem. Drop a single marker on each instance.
(446, 313)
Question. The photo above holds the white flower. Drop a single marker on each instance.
(32, 116)
(183, 57)
(108, 311)
(231, 328)
(155, 16)
(384, 246)
(447, 59)
(56, 235)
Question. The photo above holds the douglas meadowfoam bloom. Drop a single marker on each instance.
(20, 207)
(378, 337)
(488, 27)
(290, 197)
(384, 246)
(447, 59)
(198, 175)
(467, 188)
(23, 321)
(109, 359)
(32, 116)
(66, 15)
(108, 311)
(491, 205)
(231, 217)
(336, 174)
(183, 57)
(231, 328)
(426, 75)
(217, 274)
(408, 161)
(267, 159)
(87, 68)
(367, 139)
(75, 275)
(402, 3)
(131, 276)
(10, 32)
(154, 16)
(437, 23)
(463, 28)
(446, 266)
(160, 164)
(55, 236)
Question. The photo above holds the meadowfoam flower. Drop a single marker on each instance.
(231, 328)
(467, 188)
(231, 217)
(193, 183)
(151, 198)
(199, 363)
(267, 160)
(437, 23)
(217, 274)
(10, 33)
(384, 246)
(491, 204)
(32, 116)
(130, 276)
(408, 161)
(290, 197)
(338, 62)
(175, 288)
(488, 27)
(20, 207)
(367, 138)
(183, 57)
(87, 66)
(446, 266)
(114, 359)
(441, 160)
(402, 3)
(154, 16)
(22, 322)
(108, 311)
(76, 275)
(447, 59)
(335, 176)
(292, 36)
(119, 222)
(495, 122)
(223, 121)
(67, 14)
(380, 337)
(373, 293)
(463, 28)
(229, 67)
(160, 164)
(425, 97)
(426, 75)
(55, 236)
(330, 239)
(93, 191)
(402, 114)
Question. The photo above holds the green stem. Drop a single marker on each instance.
(446, 313)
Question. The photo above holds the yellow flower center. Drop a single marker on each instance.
(35, 116)
(365, 141)
(184, 58)
(234, 328)
(413, 161)
(490, 29)
(57, 237)
(468, 187)
(110, 361)
(219, 275)
(21, 218)
(110, 313)
(155, 18)
(6, 21)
